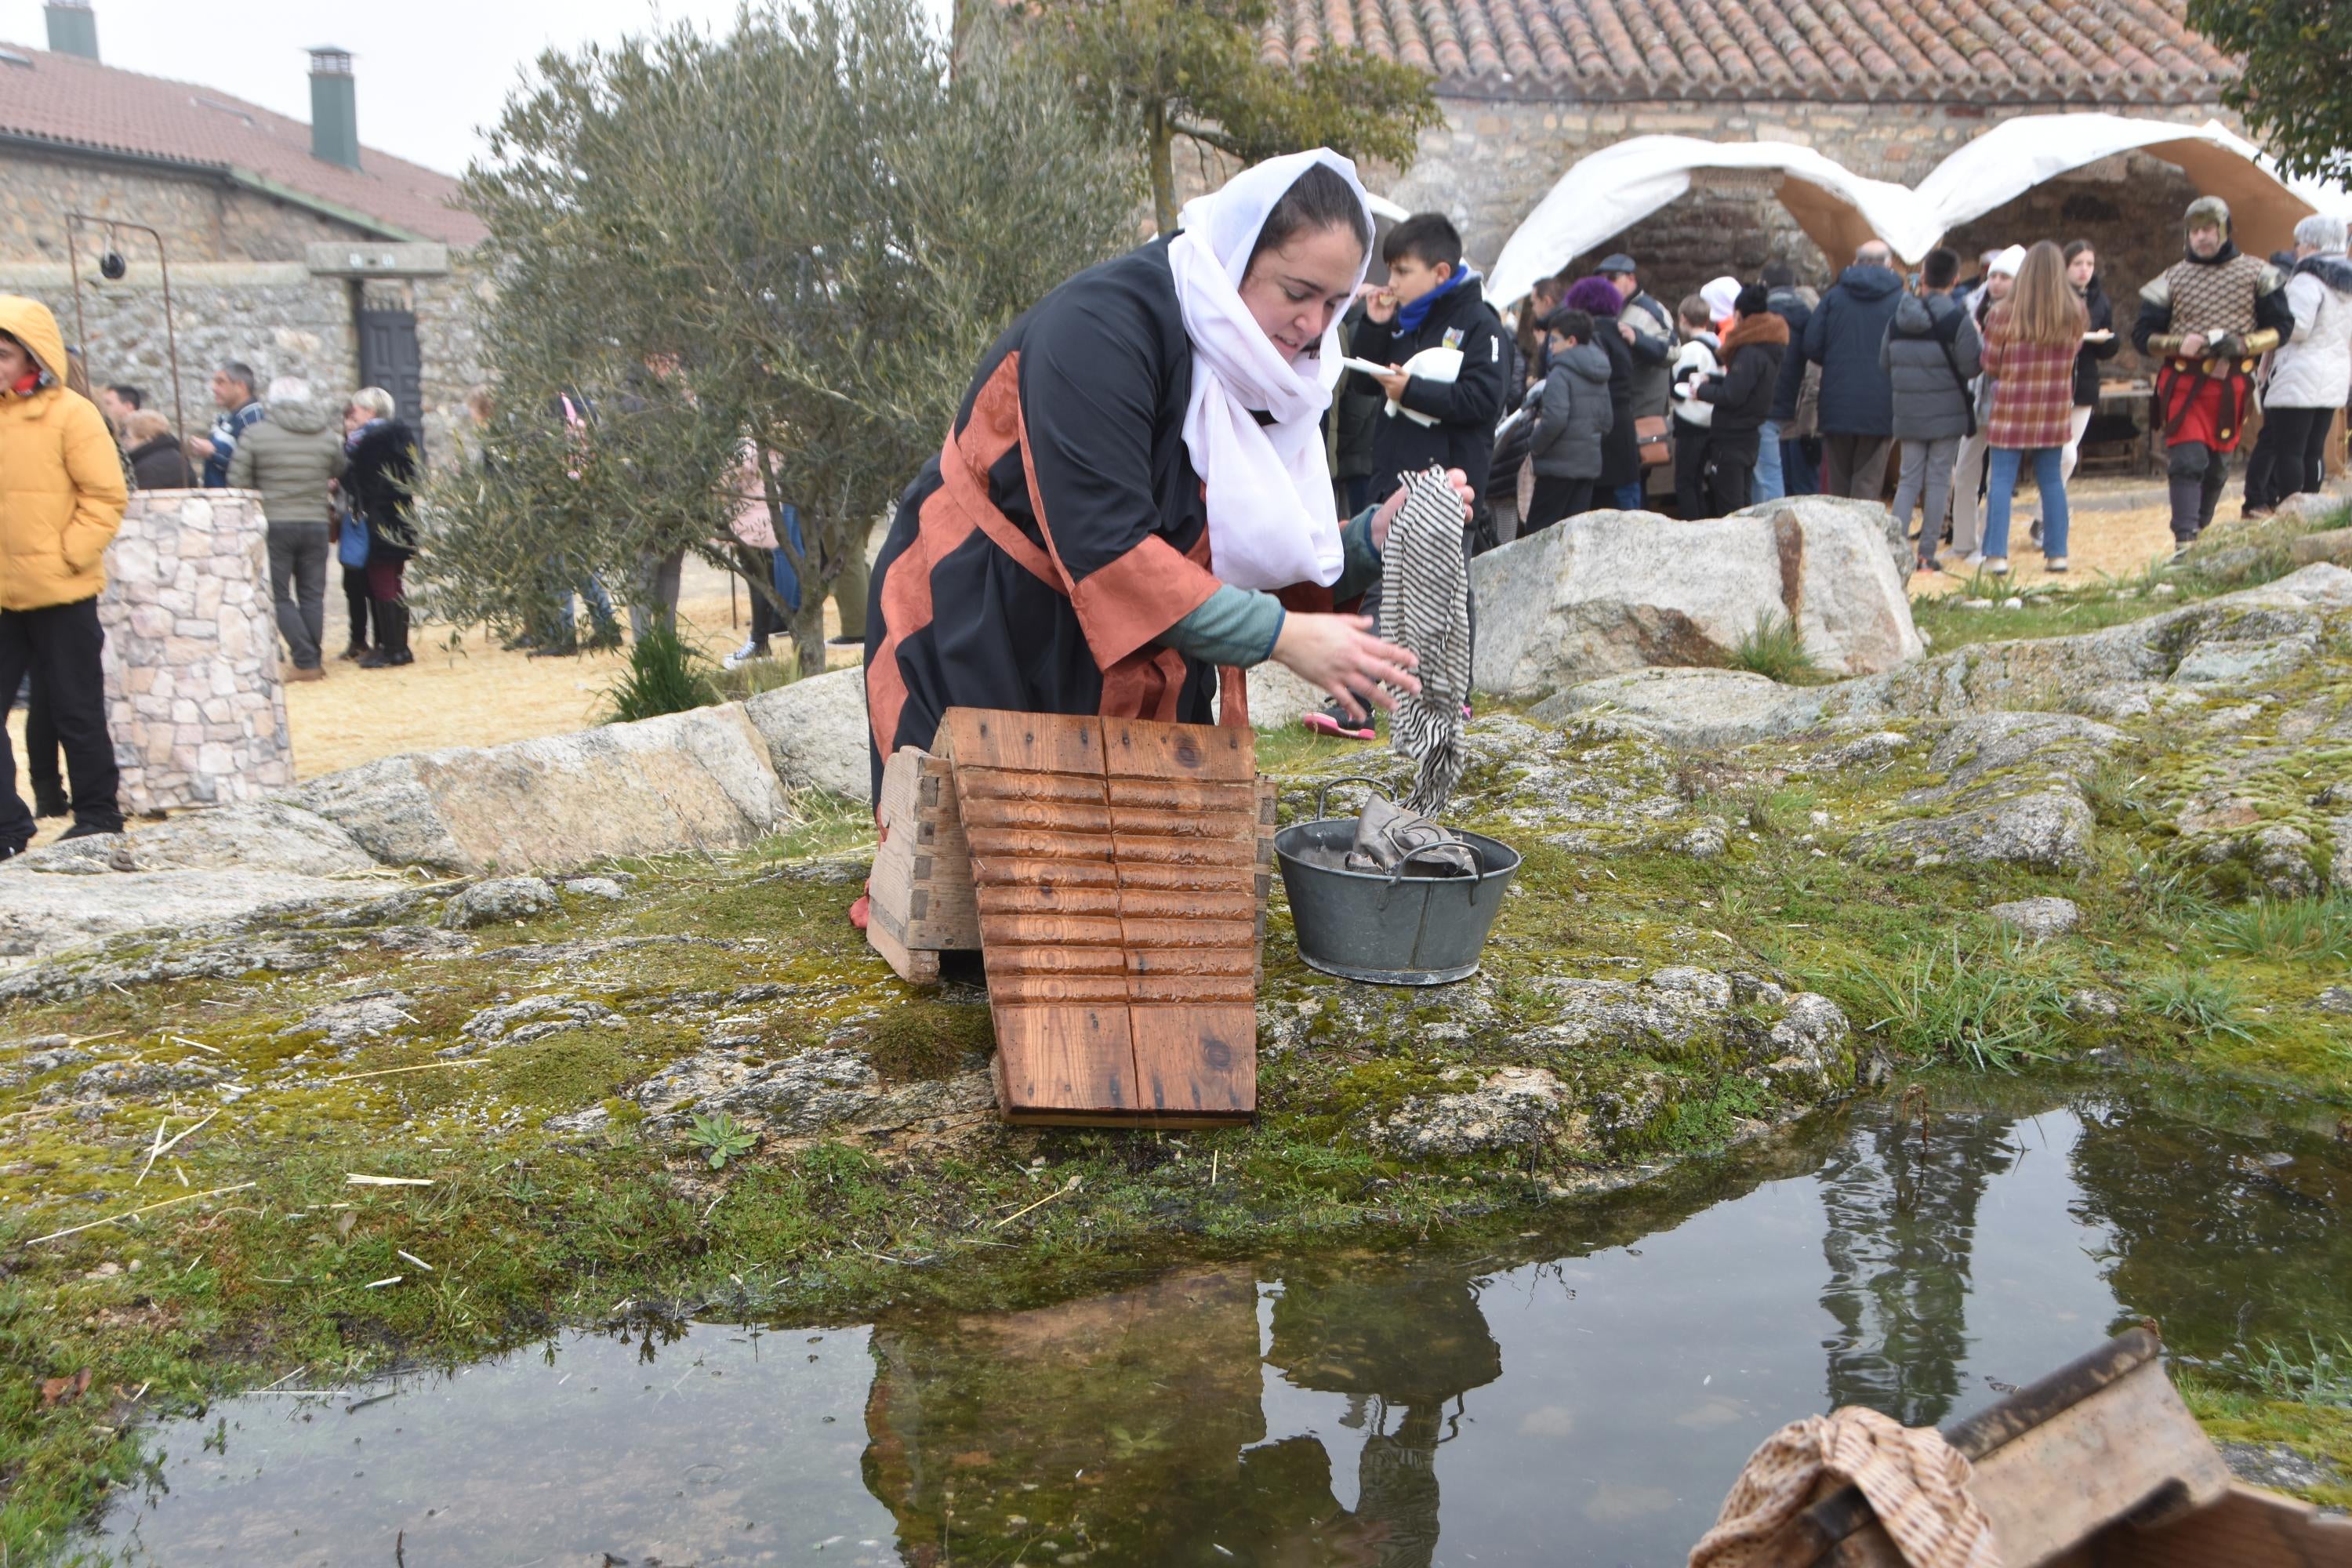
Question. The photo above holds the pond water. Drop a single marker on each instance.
(1584, 1395)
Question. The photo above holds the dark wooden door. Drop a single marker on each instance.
(391, 358)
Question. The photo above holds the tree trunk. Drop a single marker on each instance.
(1163, 167)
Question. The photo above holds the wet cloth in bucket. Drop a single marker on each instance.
(1426, 605)
(1397, 843)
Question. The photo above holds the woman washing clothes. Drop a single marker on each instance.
(1134, 493)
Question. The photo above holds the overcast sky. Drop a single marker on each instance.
(429, 71)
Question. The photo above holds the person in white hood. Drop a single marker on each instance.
(2311, 372)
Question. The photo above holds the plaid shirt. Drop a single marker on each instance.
(2033, 393)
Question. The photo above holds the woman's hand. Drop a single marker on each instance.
(1387, 514)
(1339, 654)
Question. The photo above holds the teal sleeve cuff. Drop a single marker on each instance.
(1362, 567)
(1233, 625)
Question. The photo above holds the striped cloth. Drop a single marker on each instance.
(1426, 602)
(1917, 1482)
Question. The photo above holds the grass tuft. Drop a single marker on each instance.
(1990, 1009)
(1775, 647)
(2205, 1004)
(666, 674)
(2307, 931)
(2317, 1374)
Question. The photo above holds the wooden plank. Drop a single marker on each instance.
(1057, 816)
(1138, 748)
(1007, 987)
(1231, 849)
(1188, 960)
(2054, 1486)
(2246, 1528)
(1197, 1060)
(1035, 844)
(1060, 960)
(976, 784)
(1068, 1060)
(1050, 931)
(1180, 795)
(1187, 879)
(1143, 902)
(1033, 742)
(1019, 899)
(1158, 987)
(1232, 935)
(917, 966)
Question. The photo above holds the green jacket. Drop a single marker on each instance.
(288, 458)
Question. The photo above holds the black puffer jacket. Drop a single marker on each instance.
(378, 483)
(1466, 408)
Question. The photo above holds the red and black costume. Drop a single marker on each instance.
(2237, 304)
(1037, 563)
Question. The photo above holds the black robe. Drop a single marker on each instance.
(1033, 564)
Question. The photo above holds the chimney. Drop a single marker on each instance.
(334, 107)
(73, 28)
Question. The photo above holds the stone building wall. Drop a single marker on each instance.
(192, 691)
(200, 218)
(281, 318)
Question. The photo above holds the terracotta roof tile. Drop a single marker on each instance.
(2053, 50)
(82, 103)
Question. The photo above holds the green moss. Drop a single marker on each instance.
(580, 1067)
(919, 1040)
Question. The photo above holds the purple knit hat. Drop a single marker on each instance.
(1595, 295)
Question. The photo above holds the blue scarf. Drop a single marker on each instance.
(1410, 316)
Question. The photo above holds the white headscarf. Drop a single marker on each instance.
(1271, 518)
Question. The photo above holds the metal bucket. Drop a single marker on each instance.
(1388, 930)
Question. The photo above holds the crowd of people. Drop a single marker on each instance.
(1940, 392)
(70, 460)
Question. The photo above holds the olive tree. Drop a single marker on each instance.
(2295, 87)
(765, 262)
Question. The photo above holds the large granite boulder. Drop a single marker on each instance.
(684, 781)
(1698, 708)
(816, 732)
(1615, 591)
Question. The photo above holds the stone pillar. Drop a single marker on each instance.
(191, 692)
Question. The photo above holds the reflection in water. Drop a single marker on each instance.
(1584, 1394)
(1902, 1209)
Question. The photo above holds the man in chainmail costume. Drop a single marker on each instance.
(1426, 605)
(2208, 318)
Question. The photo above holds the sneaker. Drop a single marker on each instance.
(2056, 564)
(380, 660)
(846, 640)
(1332, 719)
(1996, 566)
(751, 650)
(1974, 560)
(2255, 513)
(1926, 564)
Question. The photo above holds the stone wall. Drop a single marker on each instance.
(191, 692)
(281, 318)
(202, 219)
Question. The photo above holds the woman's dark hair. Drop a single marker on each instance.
(1318, 199)
(2076, 248)
(1570, 323)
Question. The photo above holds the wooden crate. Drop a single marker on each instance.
(1117, 868)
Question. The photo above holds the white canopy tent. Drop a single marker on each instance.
(1608, 192)
(2017, 155)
